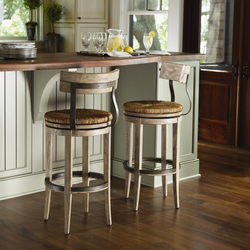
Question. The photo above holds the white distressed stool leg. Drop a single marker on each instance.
(129, 155)
(49, 146)
(85, 170)
(138, 162)
(176, 161)
(164, 146)
(68, 180)
(107, 162)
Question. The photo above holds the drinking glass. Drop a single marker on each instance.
(147, 41)
(104, 40)
(97, 40)
(86, 40)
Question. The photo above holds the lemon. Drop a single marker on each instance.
(121, 47)
(151, 33)
(116, 43)
(110, 48)
(128, 49)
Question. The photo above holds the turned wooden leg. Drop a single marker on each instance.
(129, 155)
(138, 162)
(176, 161)
(107, 162)
(48, 166)
(164, 146)
(85, 170)
(68, 180)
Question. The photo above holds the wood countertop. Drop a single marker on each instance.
(73, 60)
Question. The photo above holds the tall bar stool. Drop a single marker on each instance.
(154, 112)
(80, 123)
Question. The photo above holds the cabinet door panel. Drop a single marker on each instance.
(69, 9)
(217, 107)
(96, 12)
(67, 32)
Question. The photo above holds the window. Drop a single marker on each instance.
(150, 5)
(13, 18)
(146, 16)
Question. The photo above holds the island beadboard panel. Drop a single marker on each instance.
(22, 144)
(15, 124)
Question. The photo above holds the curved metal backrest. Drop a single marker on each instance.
(179, 73)
(89, 83)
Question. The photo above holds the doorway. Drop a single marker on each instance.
(221, 33)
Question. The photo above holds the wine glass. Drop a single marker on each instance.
(97, 40)
(104, 40)
(86, 40)
(147, 41)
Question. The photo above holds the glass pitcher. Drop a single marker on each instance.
(115, 40)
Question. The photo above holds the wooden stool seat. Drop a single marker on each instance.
(155, 112)
(152, 107)
(83, 116)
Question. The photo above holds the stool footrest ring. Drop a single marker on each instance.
(151, 172)
(85, 189)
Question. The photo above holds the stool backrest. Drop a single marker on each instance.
(88, 83)
(176, 72)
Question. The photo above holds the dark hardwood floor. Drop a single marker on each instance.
(214, 213)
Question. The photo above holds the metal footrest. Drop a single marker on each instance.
(85, 189)
(151, 172)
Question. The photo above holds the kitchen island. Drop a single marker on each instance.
(29, 88)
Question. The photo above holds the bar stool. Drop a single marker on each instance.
(154, 112)
(80, 123)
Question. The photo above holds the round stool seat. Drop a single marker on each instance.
(152, 107)
(83, 116)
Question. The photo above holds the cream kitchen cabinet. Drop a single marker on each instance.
(67, 32)
(96, 12)
(92, 17)
(81, 15)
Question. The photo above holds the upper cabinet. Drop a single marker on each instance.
(94, 11)
(69, 9)
(81, 15)
(91, 16)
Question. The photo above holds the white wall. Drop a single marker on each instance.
(175, 25)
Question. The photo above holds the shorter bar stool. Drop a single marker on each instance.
(154, 112)
(81, 123)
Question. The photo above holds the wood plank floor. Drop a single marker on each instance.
(214, 214)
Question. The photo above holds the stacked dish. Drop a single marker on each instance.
(18, 50)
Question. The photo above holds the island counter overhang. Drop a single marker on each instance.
(48, 61)
(137, 76)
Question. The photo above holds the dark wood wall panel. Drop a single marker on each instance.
(215, 107)
(214, 104)
(214, 132)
